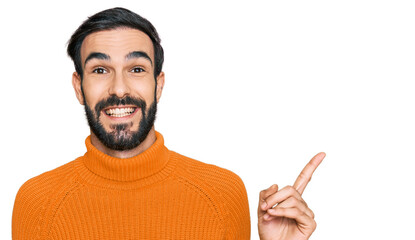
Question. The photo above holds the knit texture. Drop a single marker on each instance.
(158, 194)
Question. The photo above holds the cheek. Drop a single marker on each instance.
(93, 93)
(145, 91)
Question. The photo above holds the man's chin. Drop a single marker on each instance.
(122, 140)
(122, 136)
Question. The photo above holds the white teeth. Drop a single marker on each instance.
(119, 112)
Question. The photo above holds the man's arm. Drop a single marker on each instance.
(29, 207)
(238, 219)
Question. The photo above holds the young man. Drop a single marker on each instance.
(128, 185)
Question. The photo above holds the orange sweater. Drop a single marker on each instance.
(157, 194)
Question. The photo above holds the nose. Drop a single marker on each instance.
(119, 86)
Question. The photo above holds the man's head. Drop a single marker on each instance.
(112, 19)
(118, 60)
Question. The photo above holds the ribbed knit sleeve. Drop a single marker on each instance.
(35, 202)
(236, 201)
(28, 211)
(231, 193)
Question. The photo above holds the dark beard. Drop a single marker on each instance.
(121, 138)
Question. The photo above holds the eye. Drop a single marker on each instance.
(99, 70)
(137, 70)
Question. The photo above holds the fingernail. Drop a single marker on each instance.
(271, 210)
(266, 216)
(264, 205)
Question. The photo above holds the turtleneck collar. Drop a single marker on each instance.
(143, 165)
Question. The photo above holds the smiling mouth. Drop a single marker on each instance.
(119, 111)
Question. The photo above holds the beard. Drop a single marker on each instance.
(121, 137)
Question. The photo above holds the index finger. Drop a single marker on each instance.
(305, 176)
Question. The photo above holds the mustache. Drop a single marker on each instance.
(116, 101)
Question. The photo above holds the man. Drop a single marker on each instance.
(128, 185)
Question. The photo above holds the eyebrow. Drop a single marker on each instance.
(96, 55)
(138, 54)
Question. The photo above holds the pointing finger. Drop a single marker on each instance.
(305, 175)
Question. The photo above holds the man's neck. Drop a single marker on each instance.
(150, 139)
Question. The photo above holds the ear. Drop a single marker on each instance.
(160, 85)
(76, 83)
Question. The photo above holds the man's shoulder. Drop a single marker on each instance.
(212, 175)
(43, 185)
(227, 191)
(49, 178)
(35, 197)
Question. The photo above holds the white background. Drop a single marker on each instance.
(254, 87)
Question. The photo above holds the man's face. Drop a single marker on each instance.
(118, 87)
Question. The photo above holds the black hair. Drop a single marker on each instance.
(112, 19)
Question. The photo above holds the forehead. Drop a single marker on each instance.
(117, 43)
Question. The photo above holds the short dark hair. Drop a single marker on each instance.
(112, 19)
